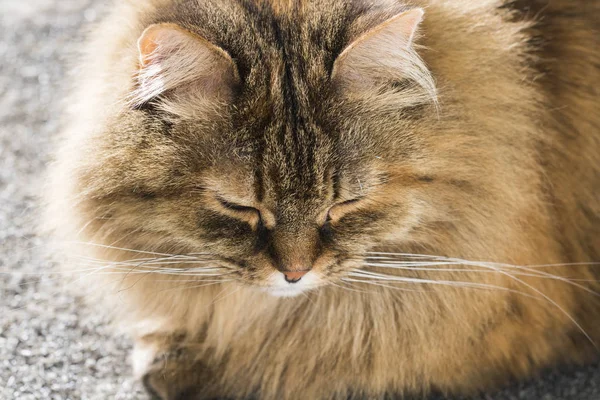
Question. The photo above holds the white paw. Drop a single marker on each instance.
(142, 358)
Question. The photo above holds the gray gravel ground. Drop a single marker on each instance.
(51, 347)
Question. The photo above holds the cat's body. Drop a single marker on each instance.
(498, 161)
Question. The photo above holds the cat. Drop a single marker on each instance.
(328, 199)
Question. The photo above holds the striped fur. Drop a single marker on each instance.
(480, 143)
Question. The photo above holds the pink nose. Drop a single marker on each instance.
(294, 276)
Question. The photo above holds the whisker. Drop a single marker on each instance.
(178, 258)
(58, 292)
(217, 298)
(308, 298)
(156, 266)
(184, 287)
(387, 278)
(120, 248)
(535, 273)
(489, 269)
(556, 305)
(411, 268)
(495, 266)
(346, 288)
(376, 283)
(372, 275)
(412, 255)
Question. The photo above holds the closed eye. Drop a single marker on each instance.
(235, 207)
(338, 210)
(251, 214)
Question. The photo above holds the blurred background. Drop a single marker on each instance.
(51, 347)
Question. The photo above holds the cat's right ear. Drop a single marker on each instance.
(174, 60)
(386, 53)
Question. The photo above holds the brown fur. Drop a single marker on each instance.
(499, 162)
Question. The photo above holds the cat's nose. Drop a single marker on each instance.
(294, 276)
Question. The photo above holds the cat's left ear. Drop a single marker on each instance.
(383, 52)
(174, 60)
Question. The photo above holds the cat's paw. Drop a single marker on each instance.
(174, 376)
(170, 374)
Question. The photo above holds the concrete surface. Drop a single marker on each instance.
(51, 347)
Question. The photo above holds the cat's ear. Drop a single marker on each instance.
(174, 60)
(383, 53)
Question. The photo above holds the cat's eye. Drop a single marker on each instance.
(337, 211)
(250, 214)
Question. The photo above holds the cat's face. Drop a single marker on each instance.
(279, 175)
(276, 213)
(270, 222)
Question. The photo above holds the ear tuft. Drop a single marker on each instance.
(172, 59)
(385, 54)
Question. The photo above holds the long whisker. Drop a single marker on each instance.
(57, 292)
(378, 283)
(219, 297)
(184, 287)
(351, 288)
(535, 273)
(555, 304)
(411, 268)
(372, 275)
(102, 267)
(495, 266)
(490, 268)
(158, 268)
(382, 255)
(120, 248)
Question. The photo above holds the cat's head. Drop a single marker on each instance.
(284, 160)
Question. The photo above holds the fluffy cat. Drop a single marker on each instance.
(330, 199)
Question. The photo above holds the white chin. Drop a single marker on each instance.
(284, 292)
(278, 287)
